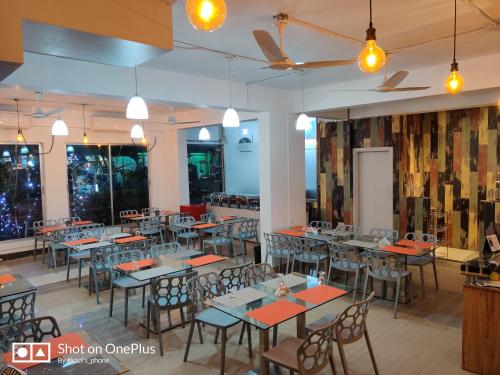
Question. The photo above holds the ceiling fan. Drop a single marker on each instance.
(172, 119)
(390, 84)
(38, 112)
(276, 55)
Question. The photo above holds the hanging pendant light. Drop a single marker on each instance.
(303, 122)
(204, 134)
(137, 132)
(137, 108)
(455, 82)
(85, 138)
(371, 58)
(230, 119)
(59, 128)
(20, 135)
(206, 15)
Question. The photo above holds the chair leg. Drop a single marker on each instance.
(126, 307)
(148, 319)
(434, 267)
(396, 297)
(111, 298)
(275, 335)
(249, 339)
(34, 250)
(96, 286)
(332, 364)
(69, 266)
(80, 266)
(183, 320)
(422, 283)
(143, 295)
(200, 335)
(356, 277)
(216, 335)
(158, 329)
(190, 338)
(223, 351)
(366, 285)
(370, 349)
(342, 358)
(242, 333)
(90, 281)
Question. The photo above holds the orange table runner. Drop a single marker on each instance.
(401, 250)
(301, 228)
(129, 239)
(50, 229)
(82, 222)
(7, 278)
(204, 260)
(71, 340)
(204, 226)
(132, 216)
(410, 243)
(276, 312)
(83, 241)
(319, 294)
(138, 264)
(227, 218)
(167, 212)
(291, 232)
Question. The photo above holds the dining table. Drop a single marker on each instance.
(164, 216)
(260, 306)
(12, 284)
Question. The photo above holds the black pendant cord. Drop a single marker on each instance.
(371, 25)
(19, 131)
(83, 114)
(147, 150)
(135, 76)
(455, 34)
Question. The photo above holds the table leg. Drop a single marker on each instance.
(301, 326)
(264, 347)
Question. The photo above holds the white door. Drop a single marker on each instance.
(373, 185)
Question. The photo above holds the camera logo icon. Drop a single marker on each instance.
(31, 352)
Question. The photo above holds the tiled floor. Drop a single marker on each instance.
(425, 339)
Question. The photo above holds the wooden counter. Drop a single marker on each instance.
(481, 330)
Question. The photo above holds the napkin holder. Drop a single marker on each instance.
(281, 289)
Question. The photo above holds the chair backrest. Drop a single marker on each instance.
(323, 225)
(44, 223)
(150, 211)
(258, 273)
(32, 330)
(350, 325)
(278, 245)
(115, 229)
(150, 225)
(223, 233)
(344, 257)
(119, 257)
(351, 228)
(17, 308)
(384, 266)
(164, 249)
(172, 291)
(424, 237)
(205, 287)
(314, 353)
(127, 212)
(390, 234)
(68, 220)
(143, 245)
(233, 277)
(207, 216)
(99, 256)
(248, 229)
(306, 249)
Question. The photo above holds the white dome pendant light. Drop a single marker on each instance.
(59, 127)
(137, 132)
(303, 122)
(230, 119)
(204, 134)
(137, 108)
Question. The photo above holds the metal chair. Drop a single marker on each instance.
(125, 222)
(150, 211)
(349, 327)
(174, 220)
(347, 259)
(17, 308)
(168, 248)
(208, 217)
(151, 226)
(424, 260)
(68, 220)
(304, 356)
(205, 287)
(390, 234)
(351, 228)
(323, 225)
(37, 225)
(223, 236)
(307, 251)
(246, 231)
(120, 280)
(278, 246)
(56, 245)
(187, 233)
(99, 266)
(31, 330)
(388, 268)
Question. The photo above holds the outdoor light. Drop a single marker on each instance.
(372, 57)
(6, 154)
(455, 82)
(137, 132)
(206, 15)
(137, 108)
(24, 150)
(59, 127)
(70, 149)
(204, 135)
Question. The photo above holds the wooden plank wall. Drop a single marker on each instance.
(448, 159)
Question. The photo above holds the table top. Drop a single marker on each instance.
(190, 225)
(265, 294)
(14, 284)
(161, 214)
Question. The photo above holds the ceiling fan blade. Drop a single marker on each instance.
(323, 64)
(184, 122)
(395, 79)
(268, 46)
(339, 90)
(416, 88)
(53, 112)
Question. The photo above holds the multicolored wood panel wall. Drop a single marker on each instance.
(449, 159)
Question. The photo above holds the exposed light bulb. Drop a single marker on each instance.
(85, 138)
(137, 132)
(144, 141)
(20, 136)
(371, 58)
(455, 82)
(231, 119)
(59, 128)
(137, 108)
(303, 122)
(204, 135)
(206, 15)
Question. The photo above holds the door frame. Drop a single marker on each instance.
(355, 178)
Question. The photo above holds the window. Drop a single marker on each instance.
(205, 171)
(93, 194)
(20, 190)
(311, 161)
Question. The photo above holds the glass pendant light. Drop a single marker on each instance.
(230, 119)
(137, 132)
(20, 136)
(137, 108)
(455, 82)
(204, 134)
(85, 138)
(206, 15)
(371, 58)
(303, 122)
